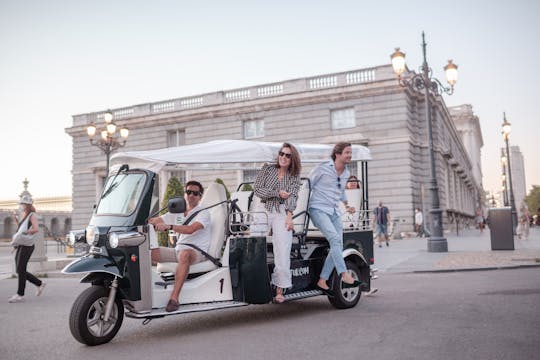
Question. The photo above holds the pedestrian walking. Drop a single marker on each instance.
(524, 219)
(381, 219)
(480, 221)
(418, 222)
(23, 242)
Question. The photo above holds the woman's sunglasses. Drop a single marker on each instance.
(288, 156)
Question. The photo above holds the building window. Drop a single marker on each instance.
(343, 118)
(249, 176)
(253, 129)
(176, 138)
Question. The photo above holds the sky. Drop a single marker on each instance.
(66, 57)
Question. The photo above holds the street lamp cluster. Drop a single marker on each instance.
(110, 139)
(506, 129)
(424, 82)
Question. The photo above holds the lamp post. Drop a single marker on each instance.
(506, 135)
(503, 178)
(110, 139)
(424, 82)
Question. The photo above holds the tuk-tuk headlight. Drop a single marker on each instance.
(92, 235)
(113, 240)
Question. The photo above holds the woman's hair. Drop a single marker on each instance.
(29, 208)
(296, 166)
(338, 148)
(354, 180)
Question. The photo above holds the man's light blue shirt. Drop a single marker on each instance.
(327, 188)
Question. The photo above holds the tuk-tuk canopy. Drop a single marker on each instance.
(226, 155)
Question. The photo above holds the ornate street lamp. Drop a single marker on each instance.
(503, 178)
(110, 139)
(506, 135)
(424, 82)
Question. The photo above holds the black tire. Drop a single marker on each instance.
(86, 317)
(345, 298)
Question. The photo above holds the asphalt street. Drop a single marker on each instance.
(459, 315)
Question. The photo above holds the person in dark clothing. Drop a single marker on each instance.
(24, 252)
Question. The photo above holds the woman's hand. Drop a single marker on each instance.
(283, 194)
(289, 224)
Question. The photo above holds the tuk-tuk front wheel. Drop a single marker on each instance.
(345, 298)
(86, 318)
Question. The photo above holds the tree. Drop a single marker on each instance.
(533, 199)
(247, 187)
(174, 189)
(219, 181)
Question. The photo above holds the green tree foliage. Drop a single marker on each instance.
(533, 199)
(247, 187)
(174, 189)
(219, 181)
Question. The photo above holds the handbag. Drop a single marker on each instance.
(21, 237)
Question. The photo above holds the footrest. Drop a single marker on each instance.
(164, 283)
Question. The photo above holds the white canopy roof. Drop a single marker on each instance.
(226, 155)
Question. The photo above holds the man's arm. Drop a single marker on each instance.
(181, 229)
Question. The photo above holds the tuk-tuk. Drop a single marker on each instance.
(236, 271)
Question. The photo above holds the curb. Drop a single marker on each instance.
(486, 268)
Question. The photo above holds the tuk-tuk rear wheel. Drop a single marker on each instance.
(86, 318)
(345, 298)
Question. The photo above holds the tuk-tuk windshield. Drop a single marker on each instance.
(121, 194)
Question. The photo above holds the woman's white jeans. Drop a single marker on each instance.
(281, 242)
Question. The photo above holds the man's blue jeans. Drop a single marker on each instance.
(332, 229)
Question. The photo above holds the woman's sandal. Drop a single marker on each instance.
(279, 299)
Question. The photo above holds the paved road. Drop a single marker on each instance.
(459, 315)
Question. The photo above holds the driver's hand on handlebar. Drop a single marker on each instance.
(155, 220)
(162, 226)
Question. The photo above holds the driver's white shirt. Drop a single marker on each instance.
(201, 237)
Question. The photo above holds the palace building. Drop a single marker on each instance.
(364, 106)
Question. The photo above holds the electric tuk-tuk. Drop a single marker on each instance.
(123, 281)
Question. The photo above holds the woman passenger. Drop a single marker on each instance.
(277, 186)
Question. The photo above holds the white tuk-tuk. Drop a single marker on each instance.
(238, 263)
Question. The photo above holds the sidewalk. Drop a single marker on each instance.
(466, 252)
(471, 250)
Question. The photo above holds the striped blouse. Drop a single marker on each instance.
(267, 186)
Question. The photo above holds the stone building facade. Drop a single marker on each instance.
(365, 106)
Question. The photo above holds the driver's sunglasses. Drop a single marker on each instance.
(288, 156)
(193, 192)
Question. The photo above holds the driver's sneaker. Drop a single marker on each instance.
(40, 289)
(16, 298)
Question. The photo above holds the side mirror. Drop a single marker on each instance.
(176, 205)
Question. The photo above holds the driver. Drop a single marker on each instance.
(197, 232)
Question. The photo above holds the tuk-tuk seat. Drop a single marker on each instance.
(218, 217)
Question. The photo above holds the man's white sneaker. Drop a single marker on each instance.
(16, 299)
(40, 289)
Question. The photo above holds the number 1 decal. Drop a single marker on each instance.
(221, 281)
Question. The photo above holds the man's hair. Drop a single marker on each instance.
(196, 183)
(339, 147)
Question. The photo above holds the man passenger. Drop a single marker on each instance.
(197, 232)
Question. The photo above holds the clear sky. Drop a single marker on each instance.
(59, 58)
